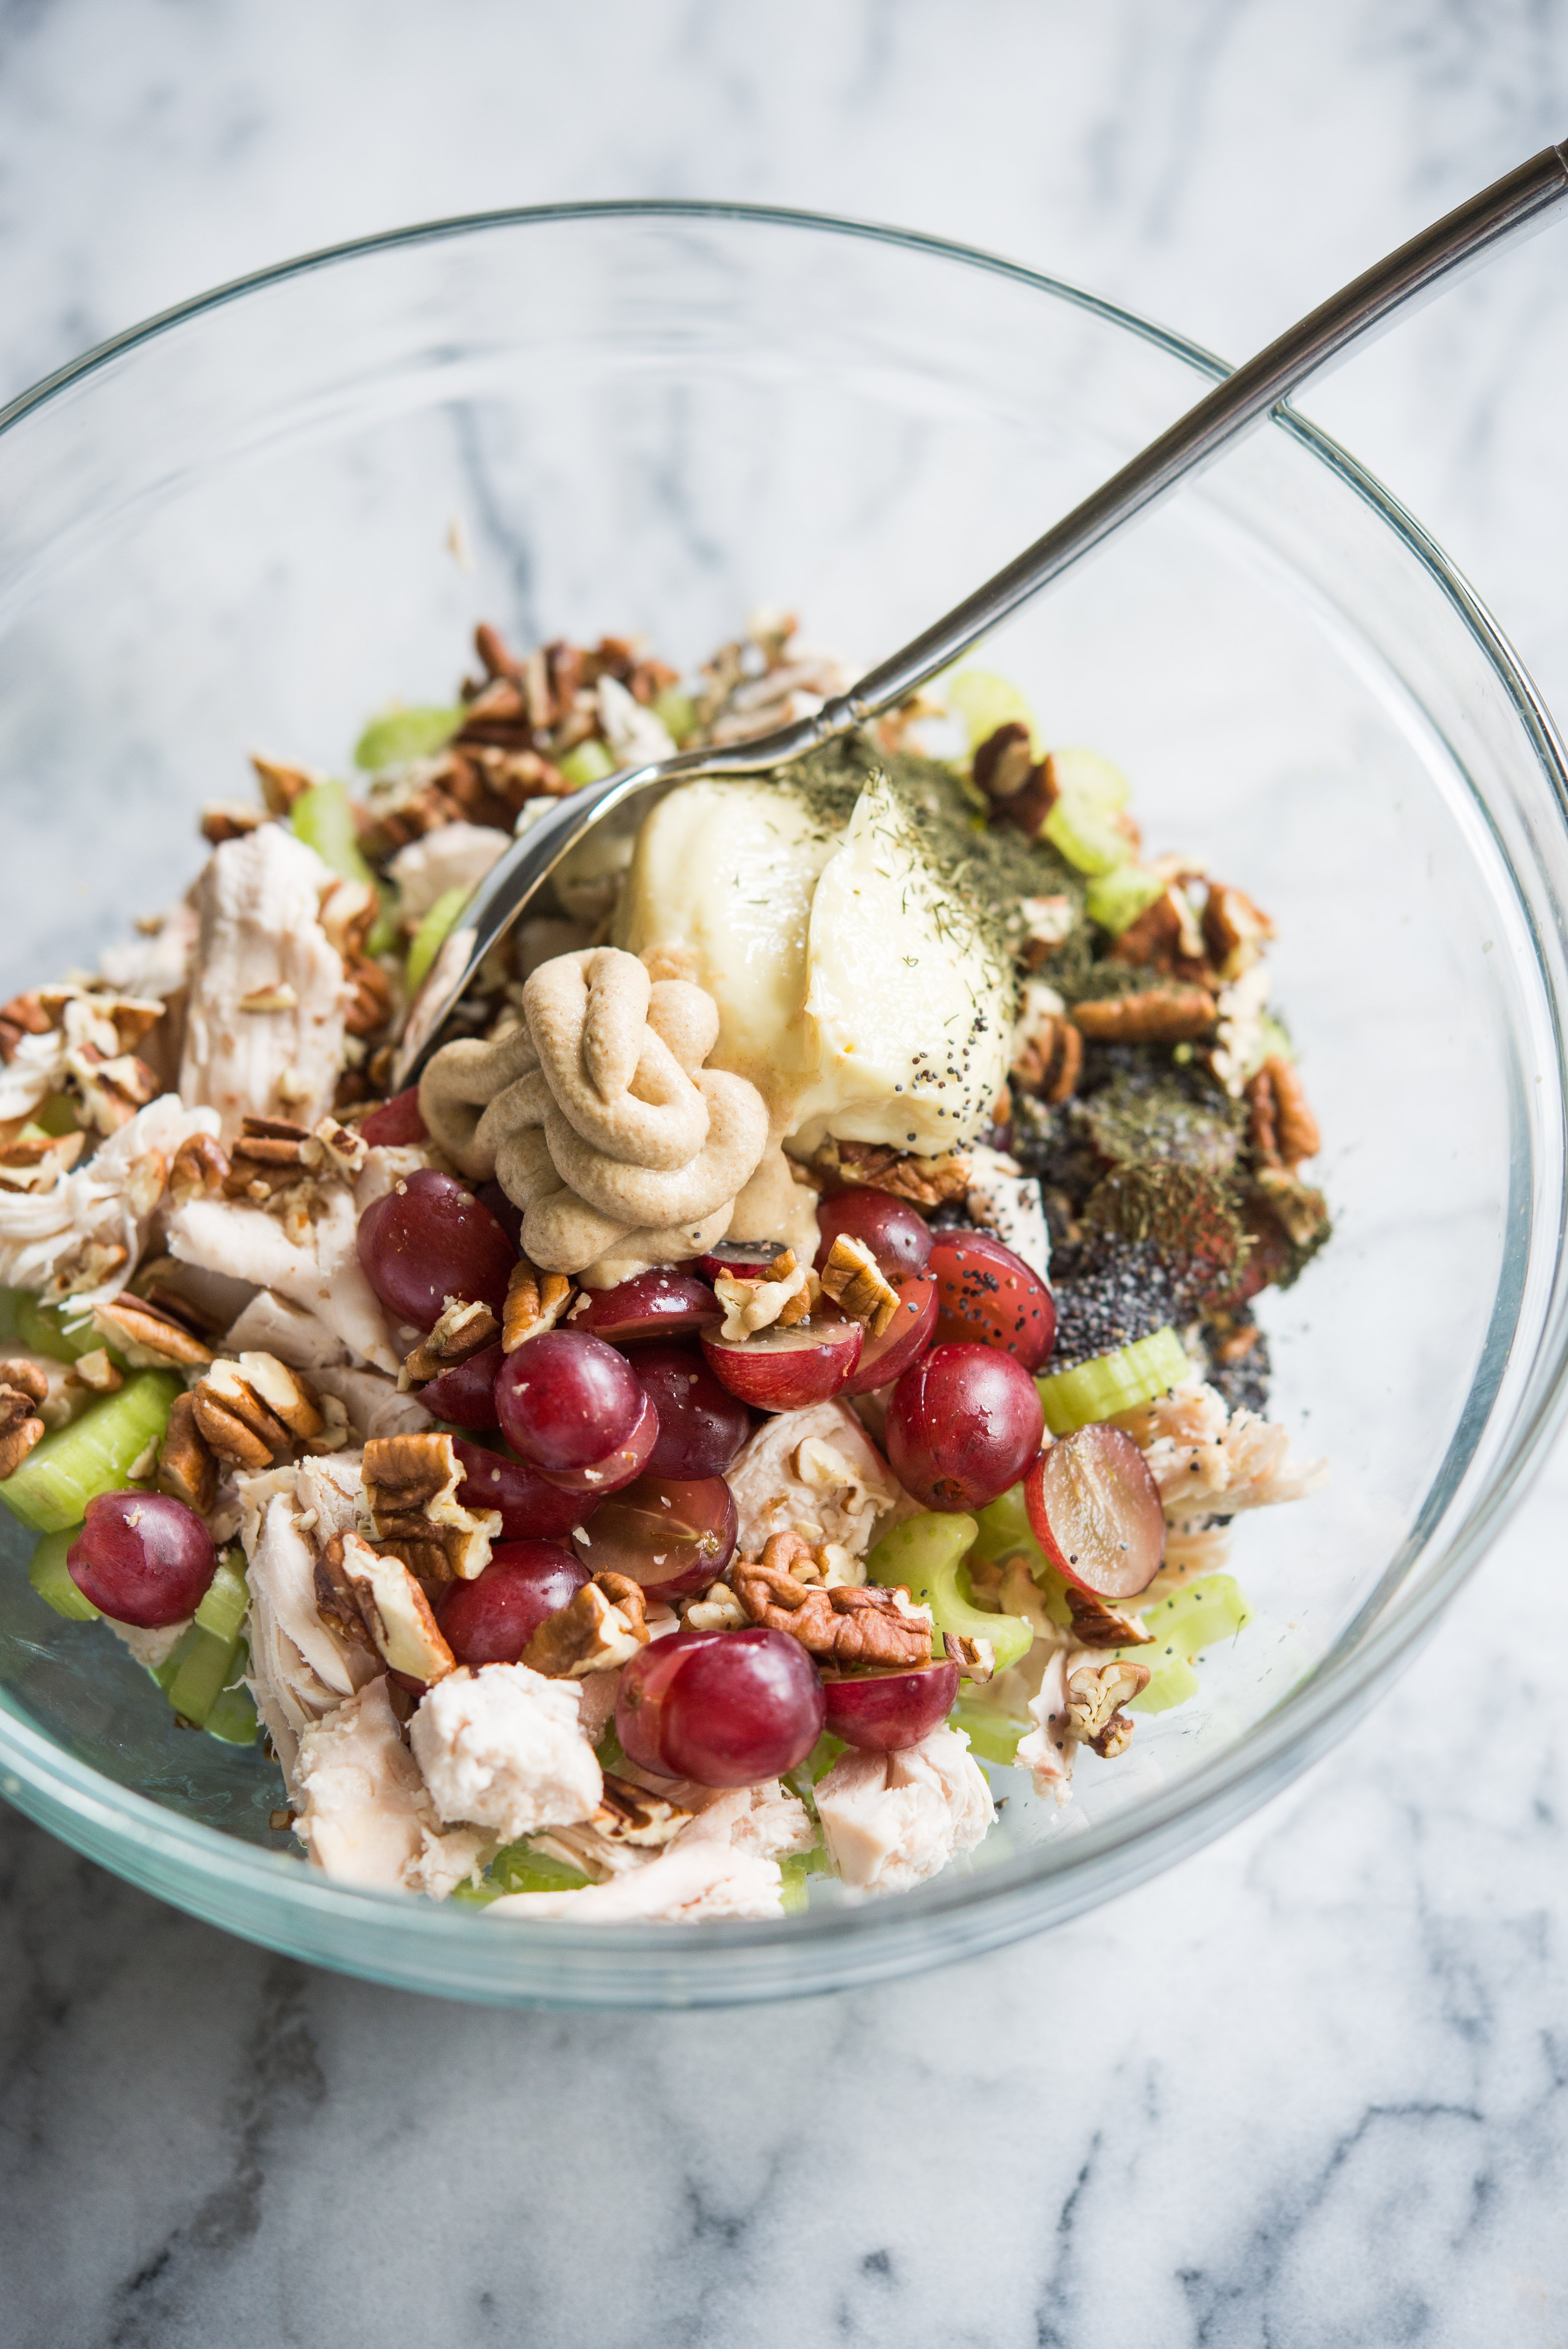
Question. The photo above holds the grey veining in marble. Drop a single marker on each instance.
(1309, 2090)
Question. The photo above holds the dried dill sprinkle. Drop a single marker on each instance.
(1110, 1291)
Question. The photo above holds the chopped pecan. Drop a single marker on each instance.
(844, 1625)
(1301, 1210)
(342, 1151)
(147, 1335)
(1234, 931)
(95, 1371)
(924, 1182)
(629, 1814)
(1048, 1050)
(254, 1410)
(1295, 1128)
(411, 1500)
(372, 1005)
(975, 1658)
(781, 1294)
(110, 1090)
(201, 1166)
(279, 997)
(37, 1164)
(25, 1379)
(852, 1278)
(225, 820)
(461, 1331)
(1096, 1625)
(281, 786)
(23, 1016)
(1262, 1124)
(1021, 792)
(1167, 937)
(395, 1610)
(349, 912)
(186, 1467)
(20, 1429)
(535, 1303)
(601, 1626)
(490, 646)
(718, 1609)
(1170, 1014)
(1096, 1692)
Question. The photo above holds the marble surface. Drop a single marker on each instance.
(1307, 2090)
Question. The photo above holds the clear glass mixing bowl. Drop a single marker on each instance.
(252, 521)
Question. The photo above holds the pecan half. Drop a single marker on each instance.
(601, 1626)
(1284, 1129)
(23, 1386)
(252, 1411)
(201, 1166)
(1048, 1060)
(461, 1331)
(1096, 1625)
(535, 1303)
(1096, 1693)
(843, 1625)
(1234, 931)
(1021, 792)
(147, 1335)
(281, 786)
(396, 1611)
(186, 1467)
(1171, 1014)
(1167, 937)
(852, 1278)
(371, 1006)
(411, 1500)
(924, 1182)
(23, 1016)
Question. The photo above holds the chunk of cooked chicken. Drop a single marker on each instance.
(365, 1817)
(301, 1668)
(264, 1025)
(688, 1882)
(892, 1820)
(502, 1748)
(1208, 1461)
(816, 1473)
(95, 1218)
(1008, 1202)
(320, 1272)
(453, 857)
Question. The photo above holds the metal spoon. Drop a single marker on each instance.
(1511, 208)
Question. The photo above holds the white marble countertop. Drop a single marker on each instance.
(1309, 2089)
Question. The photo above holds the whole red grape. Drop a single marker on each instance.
(963, 1425)
(492, 1620)
(566, 1399)
(723, 1708)
(428, 1239)
(142, 1559)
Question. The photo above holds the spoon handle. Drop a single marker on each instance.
(1511, 207)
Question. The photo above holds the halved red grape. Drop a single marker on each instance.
(672, 1535)
(702, 1425)
(663, 1303)
(882, 1711)
(907, 1335)
(492, 1620)
(507, 1211)
(532, 1509)
(991, 1297)
(428, 1239)
(963, 1425)
(397, 1122)
(741, 1260)
(723, 1708)
(566, 1398)
(142, 1559)
(898, 1237)
(618, 1466)
(465, 1395)
(781, 1370)
(1095, 1512)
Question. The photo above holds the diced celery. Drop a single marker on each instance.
(43, 1329)
(795, 1869)
(1085, 775)
(383, 933)
(1113, 1382)
(323, 817)
(403, 734)
(1084, 835)
(431, 936)
(168, 1671)
(57, 1115)
(518, 1868)
(1276, 1038)
(1115, 900)
(222, 1609)
(1192, 1619)
(232, 1719)
(1006, 1533)
(984, 702)
(10, 1306)
(678, 712)
(926, 1555)
(95, 1453)
(589, 763)
(50, 1578)
(993, 1735)
(205, 1670)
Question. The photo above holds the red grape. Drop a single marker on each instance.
(898, 1237)
(617, 1467)
(741, 1260)
(991, 1297)
(532, 1509)
(507, 1211)
(781, 1370)
(567, 1400)
(672, 1535)
(492, 1620)
(142, 1559)
(963, 1426)
(702, 1425)
(663, 1303)
(1095, 1512)
(428, 1239)
(465, 1395)
(723, 1708)
(906, 1338)
(882, 1711)
(397, 1122)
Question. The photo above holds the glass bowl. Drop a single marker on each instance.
(252, 521)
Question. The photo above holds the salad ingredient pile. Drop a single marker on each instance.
(795, 1345)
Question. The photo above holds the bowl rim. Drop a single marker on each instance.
(129, 1833)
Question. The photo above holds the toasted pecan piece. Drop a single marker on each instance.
(281, 786)
(1097, 1625)
(602, 1625)
(187, 1469)
(535, 1303)
(411, 1500)
(1047, 1060)
(629, 1814)
(147, 1335)
(461, 1331)
(1175, 1013)
(395, 1610)
(1295, 1129)
(852, 1278)
(924, 1182)
(1096, 1692)
(1235, 930)
(201, 1166)
(253, 1411)
(843, 1625)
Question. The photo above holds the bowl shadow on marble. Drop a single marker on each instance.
(233, 529)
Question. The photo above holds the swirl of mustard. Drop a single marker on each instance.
(598, 1119)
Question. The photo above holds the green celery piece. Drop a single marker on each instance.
(1085, 775)
(50, 1578)
(993, 1735)
(233, 1718)
(1111, 1382)
(322, 818)
(431, 936)
(205, 1670)
(1194, 1617)
(1084, 835)
(223, 1609)
(926, 1554)
(1115, 900)
(518, 1868)
(1006, 1533)
(403, 734)
(168, 1671)
(10, 1306)
(55, 1116)
(795, 1871)
(589, 763)
(608, 1753)
(984, 702)
(42, 1329)
(382, 938)
(677, 712)
(95, 1455)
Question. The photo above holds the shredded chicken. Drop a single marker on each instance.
(366, 1817)
(1008, 1202)
(454, 857)
(1047, 1749)
(322, 1272)
(816, 1473)
(270, 1324)
(687, 1882)
(1208, 1461)
(54, 1240)
(503, 1748)
(261, 945)
(301, 1668)
(892, 1820)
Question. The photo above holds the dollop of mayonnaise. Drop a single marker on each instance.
(851, 992)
